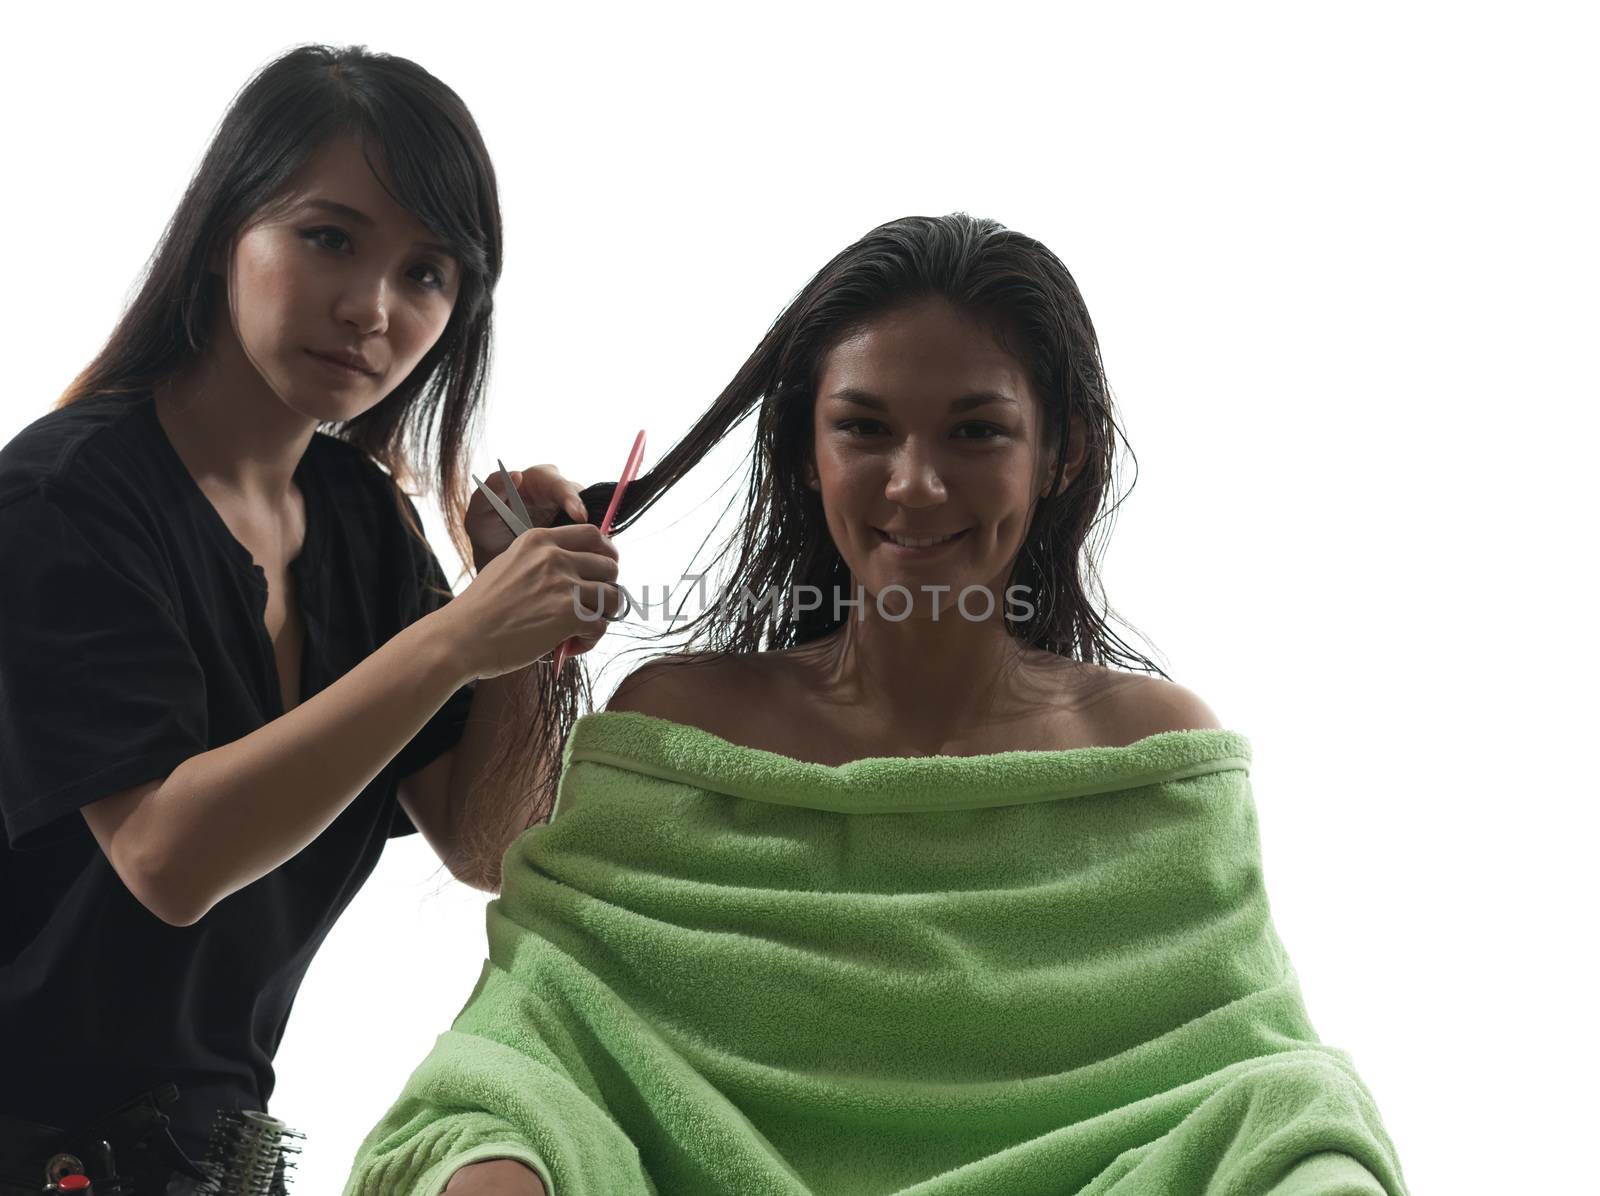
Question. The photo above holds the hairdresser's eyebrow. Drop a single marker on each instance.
(357, 216)
(978, 398)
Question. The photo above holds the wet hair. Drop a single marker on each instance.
(1011, 286)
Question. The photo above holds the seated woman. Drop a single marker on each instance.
(914, 895)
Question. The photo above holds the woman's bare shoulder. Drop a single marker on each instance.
(1093, 703)
(671, 686)
(731, 694)
(1144, 705)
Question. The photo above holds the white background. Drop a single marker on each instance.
(1342, 261)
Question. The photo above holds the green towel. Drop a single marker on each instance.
(719, 971)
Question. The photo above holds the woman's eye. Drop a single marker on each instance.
(849, 425)
(992, 429)
(315, 235)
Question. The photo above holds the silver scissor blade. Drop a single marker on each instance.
(517, 504)
(516, 525)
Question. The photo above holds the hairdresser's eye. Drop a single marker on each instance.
(440, 280)
(315, 235)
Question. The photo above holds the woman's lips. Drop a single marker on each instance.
(348, 370)
(919, 553)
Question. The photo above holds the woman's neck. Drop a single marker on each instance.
(930, 678)
(235, 434)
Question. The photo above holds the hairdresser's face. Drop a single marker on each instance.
(313, 279)
(924, 426)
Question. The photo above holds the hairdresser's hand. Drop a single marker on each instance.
(495, 1177)
(544, 491)
(552, 583)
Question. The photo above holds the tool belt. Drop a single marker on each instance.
(129, 1151)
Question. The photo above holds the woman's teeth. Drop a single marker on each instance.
(917, 542)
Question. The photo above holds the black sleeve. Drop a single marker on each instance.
(100, 689)
(441, 732)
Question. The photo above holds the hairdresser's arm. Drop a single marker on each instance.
(227, 817)
(434, 796)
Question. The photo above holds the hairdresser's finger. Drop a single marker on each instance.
(581, 537)
(546, 491)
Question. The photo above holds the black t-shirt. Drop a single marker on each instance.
(132, 638)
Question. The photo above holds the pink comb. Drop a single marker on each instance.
(629, 472)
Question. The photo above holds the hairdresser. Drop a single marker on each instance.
(231, 666)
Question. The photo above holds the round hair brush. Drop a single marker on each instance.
(249, 1154)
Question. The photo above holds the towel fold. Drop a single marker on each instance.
(719, 971)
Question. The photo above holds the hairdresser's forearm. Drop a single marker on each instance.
(227, 817)
(479, 790)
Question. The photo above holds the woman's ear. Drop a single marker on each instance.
(812, 480)
(1077, 454)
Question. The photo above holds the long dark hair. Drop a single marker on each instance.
(441, 173)
(437, 168)
(1017, 290)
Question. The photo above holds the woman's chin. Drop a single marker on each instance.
(900, 597)
(328, 405)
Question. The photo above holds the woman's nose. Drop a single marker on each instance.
(914, 479)
(364, 306)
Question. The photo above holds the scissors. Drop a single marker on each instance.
(519, 521)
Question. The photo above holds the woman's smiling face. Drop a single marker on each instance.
(924, 427)
(359, 276)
